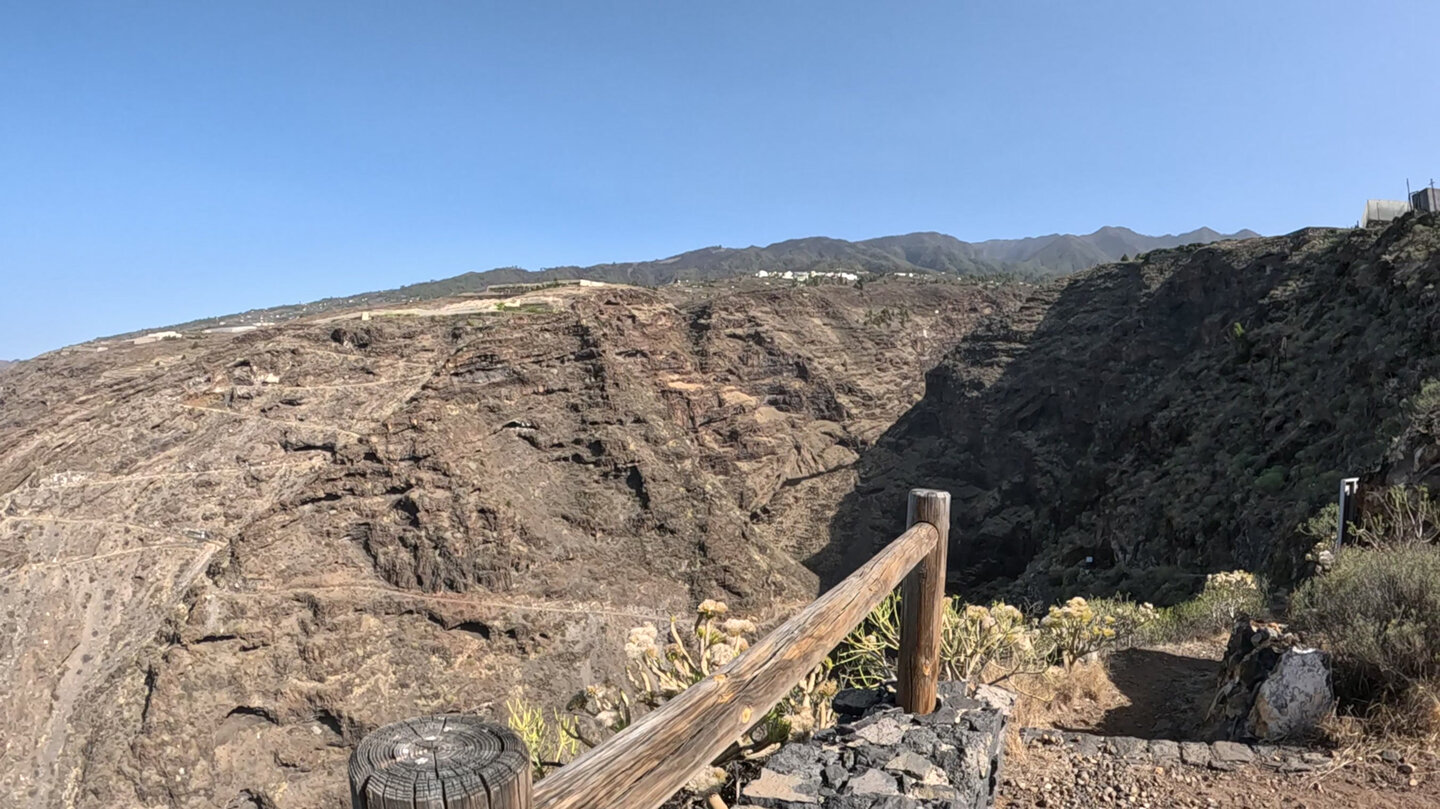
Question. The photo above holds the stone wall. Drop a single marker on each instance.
(879, 757)
(1220, 755)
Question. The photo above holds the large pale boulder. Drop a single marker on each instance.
(1270, 687)
(1294, 698)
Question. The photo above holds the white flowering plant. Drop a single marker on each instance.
(977, 644)
(1229, 595)
(659, 672)
(984, 643)
(658, 668)
(1077, 630)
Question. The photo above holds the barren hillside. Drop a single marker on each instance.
(1143, 423)
(223, 557)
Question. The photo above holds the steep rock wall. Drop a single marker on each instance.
(1145, 422)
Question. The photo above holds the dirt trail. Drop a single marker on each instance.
(1057, 778)
(1168, 690)
(1162, 695)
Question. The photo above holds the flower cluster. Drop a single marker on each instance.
(641, 643)
(1077, 630)
(976, 637)
(1127, 618)
(1229, 595)
(1322, 556)
(1234, 579)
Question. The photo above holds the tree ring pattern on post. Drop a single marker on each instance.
(453, 761)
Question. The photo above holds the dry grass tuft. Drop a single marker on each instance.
(1407, 727)
(1410, 721)
(1083, 682)
(1059, 696)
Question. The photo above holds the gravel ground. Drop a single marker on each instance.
(1050, 777)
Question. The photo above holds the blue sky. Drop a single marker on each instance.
(164, 161)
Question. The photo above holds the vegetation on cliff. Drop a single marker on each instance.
(1142, 425)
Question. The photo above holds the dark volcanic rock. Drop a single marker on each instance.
(1143, 423)
(888, 758)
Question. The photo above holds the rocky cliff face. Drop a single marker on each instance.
(224, 557)
(1146, 422)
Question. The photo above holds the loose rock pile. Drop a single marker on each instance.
(880, 757)
(1270, 688)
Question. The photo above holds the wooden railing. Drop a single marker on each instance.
(456, 761)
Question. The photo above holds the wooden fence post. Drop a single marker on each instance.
(922, 601)
(453, 761)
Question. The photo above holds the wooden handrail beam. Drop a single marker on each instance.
(922, 605)
(645, 764)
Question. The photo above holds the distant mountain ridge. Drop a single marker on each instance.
(1063, 253)
(1035, 258)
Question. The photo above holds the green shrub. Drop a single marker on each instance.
(551, 742)
(987, 644)
(1129, 620)
(1395, 515)
(1225, 598)
(1076, 630)
(1323, 525)
(1378, 612)
(1425, 401)
(1271, 480)
(1398, 515)
(866, 658)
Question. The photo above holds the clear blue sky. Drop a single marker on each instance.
(164, 161)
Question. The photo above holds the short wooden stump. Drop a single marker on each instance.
(452, 761)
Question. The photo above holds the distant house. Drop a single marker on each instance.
(1426, 199)
(1379, 211)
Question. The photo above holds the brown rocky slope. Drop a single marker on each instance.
(224, 557)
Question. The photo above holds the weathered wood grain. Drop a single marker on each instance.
(440, 762)
(641, 767)
(922, 605)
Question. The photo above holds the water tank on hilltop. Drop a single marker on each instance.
(1379, 211)
(1426, 199)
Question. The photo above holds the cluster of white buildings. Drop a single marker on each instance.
(790, 275)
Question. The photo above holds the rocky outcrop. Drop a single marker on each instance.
(884, 757)
(1270, 687)
(1146, 422)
